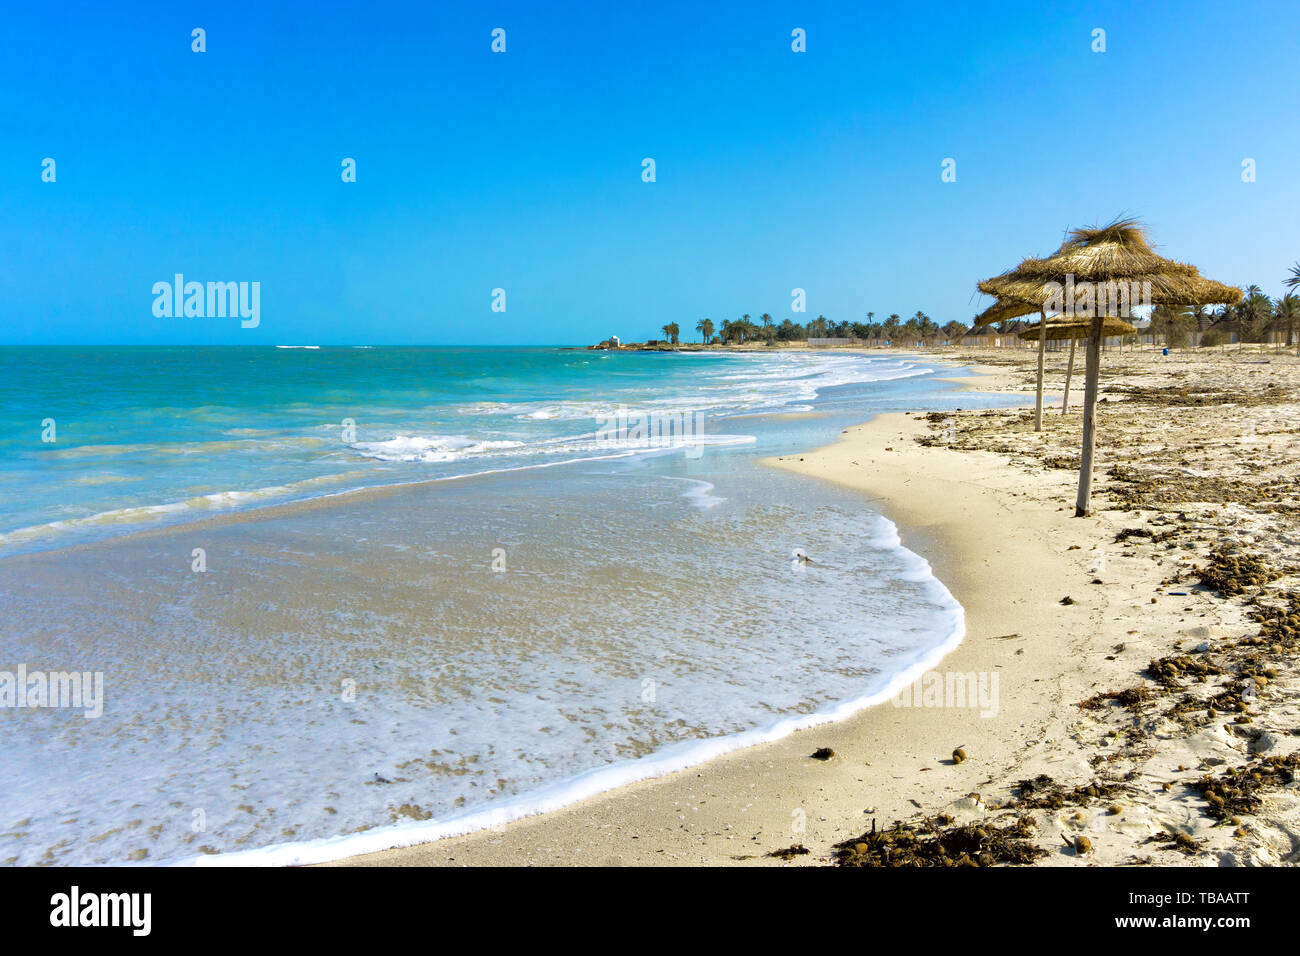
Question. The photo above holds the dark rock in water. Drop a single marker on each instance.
(823, 753)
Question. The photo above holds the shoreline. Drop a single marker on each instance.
(603, 781)
(1089, 739)
(625, 817)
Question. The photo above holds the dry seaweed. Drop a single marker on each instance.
(1237, 790)
(1272, 394)
(1150, 488)
(936, 843)
(1132, 698)
(1044, 793)
(1170, 670)
(1176, 841)
(1231, 574)
(790, 852)
(1063, 462)
(1147, 533)
(1279, 624)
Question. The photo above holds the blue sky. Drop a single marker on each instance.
(775, 170)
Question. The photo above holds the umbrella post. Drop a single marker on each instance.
(1081, 503)
(1069, 371)
(1042, 350)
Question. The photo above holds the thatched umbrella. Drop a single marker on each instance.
(1059, 330)
(1011, 308)
(1115, 262)
(1003, 310)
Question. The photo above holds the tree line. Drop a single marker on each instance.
(1255, 318)
(919, 327)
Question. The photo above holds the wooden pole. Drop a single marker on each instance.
(1069, 370)
(1042, 353)
(1081, 504)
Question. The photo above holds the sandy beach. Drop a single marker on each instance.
(649, 437)
(1135, 706)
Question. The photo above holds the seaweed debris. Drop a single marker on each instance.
(936, 842)
(1237, 790)
(1232, 574)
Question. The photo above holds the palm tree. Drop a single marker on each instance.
(954, 330)
(1172, 321)
(1255, 311)
(671, 331)
(1294, 281)
(705, 328)
(1202, 317)
(1287, 315)
(925, 325)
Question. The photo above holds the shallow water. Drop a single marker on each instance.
(366, 668)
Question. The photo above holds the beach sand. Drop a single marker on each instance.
(1196, 452)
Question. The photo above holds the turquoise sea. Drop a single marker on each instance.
(147, 435)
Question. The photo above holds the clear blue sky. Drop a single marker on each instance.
(775, 170)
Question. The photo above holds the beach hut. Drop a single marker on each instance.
(986, 337)
(1097, 272)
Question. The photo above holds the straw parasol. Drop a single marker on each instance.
(1116, 262)
(1059, 330)
(1012, 308)
(1003, 310)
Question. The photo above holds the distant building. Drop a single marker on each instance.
(986, 336)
